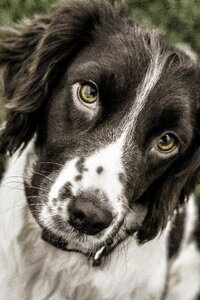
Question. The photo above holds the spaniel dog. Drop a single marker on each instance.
(103, 135)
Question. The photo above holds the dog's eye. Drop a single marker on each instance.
(167, 143)
(88, 93)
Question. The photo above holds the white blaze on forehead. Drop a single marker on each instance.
(150, 79)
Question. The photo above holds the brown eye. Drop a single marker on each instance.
(167, 143)
(88, 93)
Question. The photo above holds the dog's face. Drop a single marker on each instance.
(114, 110)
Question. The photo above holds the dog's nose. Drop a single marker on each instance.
(86, 217)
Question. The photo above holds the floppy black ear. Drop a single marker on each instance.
(36, 56)
(16, 49)
(17, 54)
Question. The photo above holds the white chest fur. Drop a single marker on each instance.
(32, 269)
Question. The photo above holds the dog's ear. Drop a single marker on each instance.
(36, 56)
(17, 54)
(16, 49)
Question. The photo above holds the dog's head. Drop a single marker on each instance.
(113, 109)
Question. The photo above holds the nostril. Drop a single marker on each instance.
(86, 217)
(79, 215)
(77, 219)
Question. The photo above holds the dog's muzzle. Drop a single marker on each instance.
(88, 214)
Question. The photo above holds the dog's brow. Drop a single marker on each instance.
(86, 68)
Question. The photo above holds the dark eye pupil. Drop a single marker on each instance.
(167, 138)
(90, 91)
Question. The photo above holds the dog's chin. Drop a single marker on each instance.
(90, 247)
(93, 253)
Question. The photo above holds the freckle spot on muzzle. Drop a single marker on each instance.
(122, 178)
(54, 201)
(50, 210)
(80, 165)
(99, 170)
(60, 208)
(78, 178)
(65, 192)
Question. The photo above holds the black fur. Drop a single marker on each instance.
(176, 234)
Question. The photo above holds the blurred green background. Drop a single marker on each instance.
(179, 19)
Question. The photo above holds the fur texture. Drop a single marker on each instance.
(93, 175)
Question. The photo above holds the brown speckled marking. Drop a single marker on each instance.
(122, 178)
(65, 191)
(60, 208)
(99, 170)
(54, 201)
(46, 200)
(78, 178)
(50, 210)
(59, 222)
(80, 165)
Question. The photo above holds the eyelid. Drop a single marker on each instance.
(169, 132)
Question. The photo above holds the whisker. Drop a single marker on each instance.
(28, 178)
(18, 182)
(43, 175)
(21, 177)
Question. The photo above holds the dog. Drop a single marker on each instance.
(102, 135)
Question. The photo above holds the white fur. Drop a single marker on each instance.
(32, 269)
(149, 81)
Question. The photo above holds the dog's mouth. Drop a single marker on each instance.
(95, 257)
